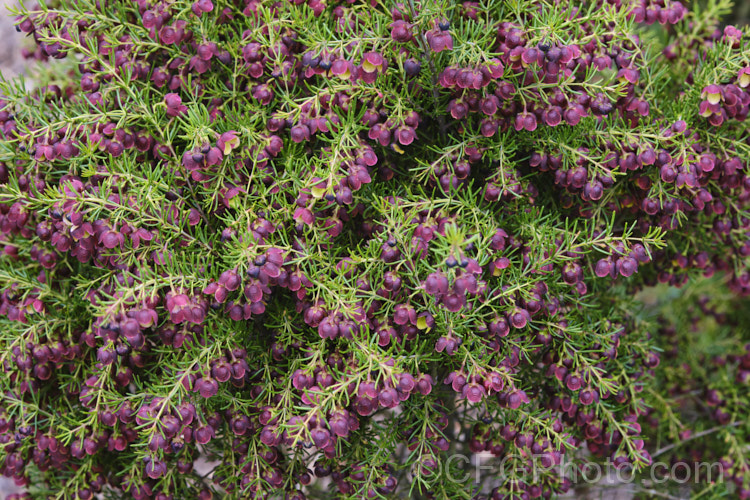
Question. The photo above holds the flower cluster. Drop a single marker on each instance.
(317, 245)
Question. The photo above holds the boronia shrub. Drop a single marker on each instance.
(320, 248)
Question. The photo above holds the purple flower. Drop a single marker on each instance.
(174, 105)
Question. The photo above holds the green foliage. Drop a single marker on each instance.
(357, 240)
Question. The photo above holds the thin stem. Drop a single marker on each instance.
(701, 434)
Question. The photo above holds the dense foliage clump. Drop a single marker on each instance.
(320, 248)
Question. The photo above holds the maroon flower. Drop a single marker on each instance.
(227, 142)
(743, 77)
(439, 40)
(525, 121)
(207, 387)
(373, 62)
(712, 94)
(201, 6)
(174, 105)
(401, 31)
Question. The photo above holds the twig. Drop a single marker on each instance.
(695, 436)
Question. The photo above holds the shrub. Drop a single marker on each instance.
(318, 248)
